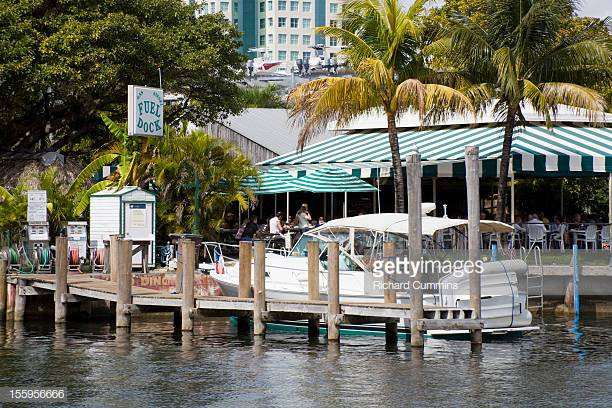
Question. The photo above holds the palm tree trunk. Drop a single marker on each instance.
(398, 178)
(505, 164)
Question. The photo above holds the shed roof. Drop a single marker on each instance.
(111, 192)
(269, 128)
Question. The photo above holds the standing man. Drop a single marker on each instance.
(303, 217)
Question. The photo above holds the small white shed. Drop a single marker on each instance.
(130, 212)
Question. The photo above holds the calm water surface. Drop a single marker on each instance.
(562, 365)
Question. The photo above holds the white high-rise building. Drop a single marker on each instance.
(285, 29)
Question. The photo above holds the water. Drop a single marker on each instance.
(562, 365)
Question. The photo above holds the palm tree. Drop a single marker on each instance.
(201, 176)
(382, 42)
(517, 52)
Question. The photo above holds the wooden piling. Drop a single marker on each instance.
(259, 289)
(179, 270)
(313, 284)
(20, 301)
(413, 177)
(244, 280)
(10, 301)
(244, 259)
(61, 279)
(114, 257)
(124, 283)
(473, 204)
(188, 250)
(389, 293)
(3, 269)
(333, 292)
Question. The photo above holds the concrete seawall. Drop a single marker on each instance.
(594, 280)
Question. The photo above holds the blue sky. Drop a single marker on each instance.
(589, 8)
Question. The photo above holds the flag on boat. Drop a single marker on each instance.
(219, 264)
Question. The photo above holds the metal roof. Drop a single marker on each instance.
(378, 120)
(269, 128)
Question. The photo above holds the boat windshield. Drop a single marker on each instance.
(358, 247)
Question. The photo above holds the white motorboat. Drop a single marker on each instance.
(504, 303)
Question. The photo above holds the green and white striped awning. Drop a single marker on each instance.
(565, 150)
(332, 181)
(272, 181)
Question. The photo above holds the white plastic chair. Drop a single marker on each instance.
(514, 239)
(588, 236)
(446, 238)
(604, 235)
(559, 237)
(536, 234)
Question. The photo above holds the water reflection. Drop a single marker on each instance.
(575, 330)
(216, 366)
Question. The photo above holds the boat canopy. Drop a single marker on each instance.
(397, 223)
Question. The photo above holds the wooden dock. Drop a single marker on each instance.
(82, 288)
(187, 307)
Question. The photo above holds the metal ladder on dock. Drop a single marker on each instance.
(535, 280)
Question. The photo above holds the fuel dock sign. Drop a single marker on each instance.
(145, 111)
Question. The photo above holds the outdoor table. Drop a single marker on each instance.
(575, 232)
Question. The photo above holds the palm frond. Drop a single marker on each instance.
(537, 99)
(117, 131)
(411, 94)
(91, 170)
(507, 76)
(579, 97)
(84, 197)
(5, 195)
(317, 103)
(443, 100)
(356, 48)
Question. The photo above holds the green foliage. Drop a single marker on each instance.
(62, 62)
(13, 209)
(587, 195)
(169, 165)
(14, 204)
(262, 97)
(383, 43)
(521, 52)
(220, 169)
(61, 205)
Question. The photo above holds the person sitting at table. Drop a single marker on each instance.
(518, 224)
(250, 229)
(543, 218)
(533, 219)
(320, 222)
(555, 226)
(290, 223)
(276, 224)
(577, 223)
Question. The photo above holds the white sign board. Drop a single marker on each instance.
(139, 218)
(37, 206)
(145, 111)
